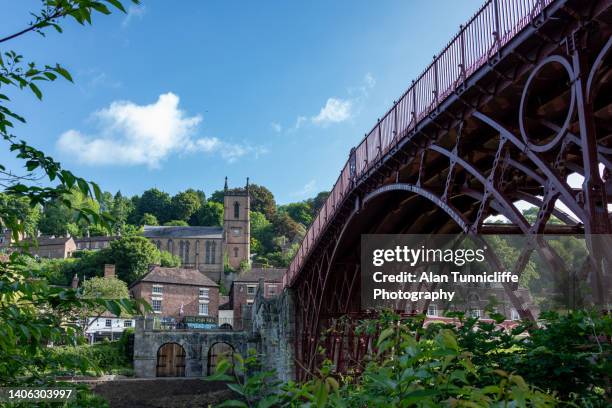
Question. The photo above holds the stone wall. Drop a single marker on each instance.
(196, 344)
(273, 322)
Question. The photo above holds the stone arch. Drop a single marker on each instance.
(171, 358)
(216, 351)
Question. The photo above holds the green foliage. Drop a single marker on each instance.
(176, 223)
(209, 214)
(33, 313)
(106, 357)
(409, 366)
(185, 204)
(155, 202)
(169, 260)
(299, 212)
(132, 257)
(105, 288)
(148, 219)
(20, 212)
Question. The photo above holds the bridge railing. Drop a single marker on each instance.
(494, 25)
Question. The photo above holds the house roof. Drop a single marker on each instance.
(180, 276)
(96, 238)
(48, 240)
(151, 231)
(268, 275)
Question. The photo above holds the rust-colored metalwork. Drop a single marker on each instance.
(515, 103)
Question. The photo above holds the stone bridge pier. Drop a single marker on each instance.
(271, 335)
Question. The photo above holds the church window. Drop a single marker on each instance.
(208, 252)
(170, 246)
(236, 210)
(213, 248)
(182, 251)
(186, 260)
(236, 252)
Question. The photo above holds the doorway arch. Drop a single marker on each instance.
(170, 360)
(216, 352)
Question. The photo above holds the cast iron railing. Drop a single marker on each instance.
(494, 25)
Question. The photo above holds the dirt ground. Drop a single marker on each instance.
(162, 393)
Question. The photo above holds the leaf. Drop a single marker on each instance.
(36, 90)
(117, 4)
(63, 72)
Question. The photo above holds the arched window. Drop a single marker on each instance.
(236, 252)
(207, 257)
(197, 251)
(182, 251)
(171, 246)
(236, 209)
(213, 248)
(186, 260)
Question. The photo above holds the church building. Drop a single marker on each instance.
(208, 249)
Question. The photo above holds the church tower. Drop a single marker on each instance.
(236, 225)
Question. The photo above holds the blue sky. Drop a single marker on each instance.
(181, 94)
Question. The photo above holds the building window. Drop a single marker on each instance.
(251, 289)
(213, 249)
(157, 289)
(204, 293)
(272, 289)
(236, 210)
(109, 323)
(171, 246)
(157, 305)
(432, 310)
(127, 323)
(514, 315)
(474, 312)
(249, 302)
(186, 252)
(203, 310)
(235, 252)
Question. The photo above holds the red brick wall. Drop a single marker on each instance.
(239, 295)
(174, 295)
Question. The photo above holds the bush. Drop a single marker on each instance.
(564, 360)
(106, 357)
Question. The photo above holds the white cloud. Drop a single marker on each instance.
(335, 111)
(131, 134)
(308, 189)
(134, 11)
(276, 127)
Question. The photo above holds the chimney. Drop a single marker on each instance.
(109, 270)
(75, 282)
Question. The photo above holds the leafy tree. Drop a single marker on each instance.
(32, 312)
(285, 226)
(121, 209)
(169, 260)
(262, 230)
(132, 257)
(21, 213)
(105, 288)
(176, 223)
(300, 212)
(60, 216)
(156, 202)
(209, 214)
(185, 204)
(317, 202)
(148, 219)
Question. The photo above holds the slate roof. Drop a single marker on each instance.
(268, 274)
(151, 231)
(48, 240)
(97, 238)
(180, 276)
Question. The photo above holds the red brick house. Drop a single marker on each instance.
(244, 288)
(178, 292)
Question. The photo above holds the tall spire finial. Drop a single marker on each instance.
(225, 187)
(247, 185)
